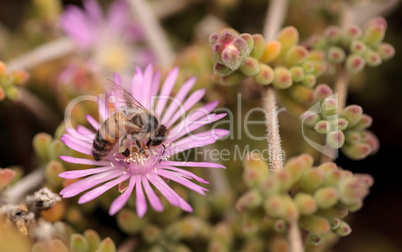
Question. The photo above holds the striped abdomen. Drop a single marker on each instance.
(107, 136)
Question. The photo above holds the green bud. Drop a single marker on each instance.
(315, 224)
(52, 170)
(41, 145)
(364, 123)
(291, 212)
(301, 94)
(326, 197)
(352, 113)
(129, 222)
(339, 124)
(271, 51)
(282, 78)
(78, 243)
(280, 226)
(322, 127)
(56, 148)
(251, 224)
(352, 137)
(297, 165)
(309, 80)
(305, 203)
(297, 73)
(372, 58)
(233, 78)
(151, 233)
(321, 92)
(223, 232)
(222, 70)
(311, 180)
(249, 40)
(355, 63)
(336, 55)
(270, 186)
(334, 212)
(250, 200)
(255, 170)
(335, 139)
(315, 239)
(352, 33)
(93, 239)
(343, 229)
(358, 47)
(12, 93)
(265, 76)
(329, 107)
(317, 42)
(107, 245)
(288, 37)
(296, 55)
(250, 67)
(333, 34)
(275, 206)
(373, 35)
(386, 51)
(310, 118)
(308, 67)
(334, 222)
(259, 46)
(60, 130)
(353, 189)
(217, 246)
(57, 245)
(333, 177)
(369, 138)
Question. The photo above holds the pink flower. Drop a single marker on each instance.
(140, 171)
(111, 41)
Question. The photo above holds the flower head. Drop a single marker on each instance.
(107, 39)
(141, 171)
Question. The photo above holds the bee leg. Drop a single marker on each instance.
(122, 147)
(163, 153)
(139, 146)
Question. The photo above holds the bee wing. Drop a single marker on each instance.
(123, 98)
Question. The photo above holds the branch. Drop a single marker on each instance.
(16, 194)
(154, 33)
(294, 236)
(41, 54)
(276, 14)
(273, 137)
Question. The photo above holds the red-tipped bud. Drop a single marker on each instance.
(386, 51)
(357, 151)
(355, 63)
(282, 78)
(357, 47)
(305, 203)
(222, 70)
(315, 224)
(301, 94)
(322, 127)
(265, 76)
(372, 58)
(311, 180)
(326, 197)
(309, 80)
(259, 46)
(250, 67)
(333, 34)
(296, 55)
(288, 37)
(297, 73)
(352, 32)
(353, 114)
(374, 34)
(336, 55)
(335, 139)
(310, 118)
(343, 229)
(321, 92)
(271, 52)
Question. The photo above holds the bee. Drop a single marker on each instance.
(132, 120)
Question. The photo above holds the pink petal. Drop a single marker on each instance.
(87, 183)
(147, 85)
(193, 125)
(152, 197)
(121, 200)
(192, 164)
(177, 101)
(117, 15)
(84, 161)
(177, 178)
(140, 202)
(190, 101)
(76, 145)
(137, 85)
(184, 173)
(117, 79)
(85, 131)
(92, 121)
(169, 194)
(156, 81)
(77, 135)
(93, 10)
(167, 87)
(101, 189)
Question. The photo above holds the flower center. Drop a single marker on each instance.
(113, 56)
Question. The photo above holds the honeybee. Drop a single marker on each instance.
(131, 120)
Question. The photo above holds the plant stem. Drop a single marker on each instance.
(154, 33)
(41, 54)
(275, 17)
(273, 137)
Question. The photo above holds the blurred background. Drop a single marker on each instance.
(25, 24)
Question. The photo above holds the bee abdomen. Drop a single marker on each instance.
(101, 147)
